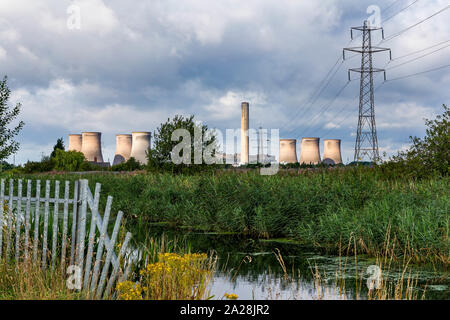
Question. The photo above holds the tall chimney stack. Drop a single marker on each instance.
(244, 132)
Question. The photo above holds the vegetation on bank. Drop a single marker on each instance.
(319, 209)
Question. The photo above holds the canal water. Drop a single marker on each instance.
(262, 269)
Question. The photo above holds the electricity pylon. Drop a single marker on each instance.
(366, 146)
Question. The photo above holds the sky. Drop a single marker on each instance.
(121, 66)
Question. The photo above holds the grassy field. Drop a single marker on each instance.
(319, 209)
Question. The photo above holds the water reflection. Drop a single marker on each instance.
(251, 269)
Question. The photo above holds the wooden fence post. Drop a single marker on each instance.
(94, 212)
(18, 219)
(45, 231)
(36, 220)
(73, 240)
(65, 219)
(55, 224)
(27, 219)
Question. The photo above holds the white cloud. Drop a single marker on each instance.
(2, 53)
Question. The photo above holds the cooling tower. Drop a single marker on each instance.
(332, 151)
(288, 151)
(123, 148)
(75, 142)
(310, 153)
(91, 146)
(140, 146)
(244, 132)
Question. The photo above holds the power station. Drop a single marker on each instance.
(332, 151)
(75, 141)
(288, 151)
(310, 152)
(123, 148)
(137, 144)
(310, 147)
(91, 146)
(140, 145)
(134, 145)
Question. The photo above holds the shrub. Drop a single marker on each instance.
(160, 157)
(426, 157)
(173, 277)
(69, 161)
(45, 165)
(131, 165)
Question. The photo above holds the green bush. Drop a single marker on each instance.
(160, 156)
(426, 157)
(5, 166)
(45, 165)
(70, 161)
(130, 165)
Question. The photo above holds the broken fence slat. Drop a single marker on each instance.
(115, 271)
(101, 244)
(99, 226)
(94, 212)
(110, 250)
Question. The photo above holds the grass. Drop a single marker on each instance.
(27, 281)
(375, 282)
(318, 209)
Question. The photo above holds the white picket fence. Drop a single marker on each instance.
(93, 254)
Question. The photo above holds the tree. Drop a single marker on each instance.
(69, 161)
(427, 156)
(7, 115)
(160, 157)
(130, 165)
(58, 146)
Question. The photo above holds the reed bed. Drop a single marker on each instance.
(317, 208)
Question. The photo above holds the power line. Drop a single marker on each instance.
(415, 59)
(405, 8)
(317, 93)
(351, 111)
(390, 6)
(418, 73)
(324, 109)
(419, 51)
(414, 25)
(384, 10)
